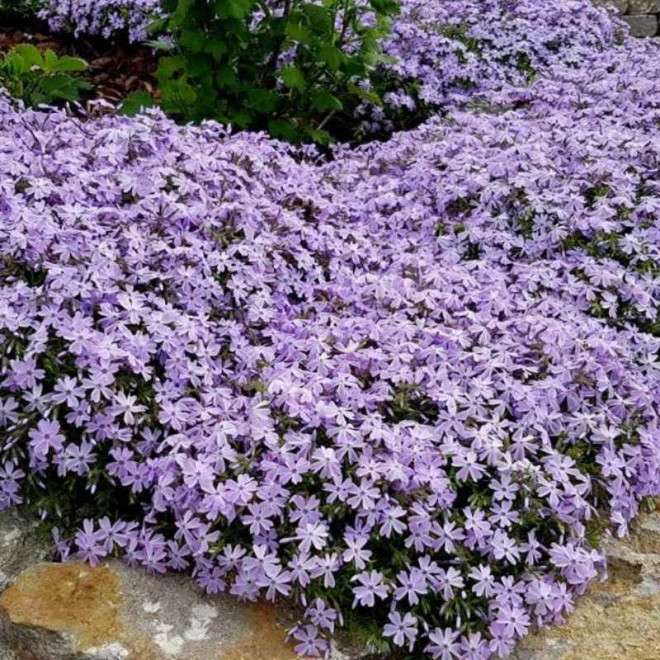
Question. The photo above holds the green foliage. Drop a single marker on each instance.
(20, 7)
(135, 102)
(36, 77)
(296, 68)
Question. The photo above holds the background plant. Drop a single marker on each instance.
(41, 78)
(294, 67)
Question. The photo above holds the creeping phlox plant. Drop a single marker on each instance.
(407, 387)
(455, 52)
(106, 18)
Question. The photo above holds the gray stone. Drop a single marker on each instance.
(19, 547)
(620, 5)
(644, 6)
(642, 25)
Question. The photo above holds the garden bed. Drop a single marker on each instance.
(411, 386)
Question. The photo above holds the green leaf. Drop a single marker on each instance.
(263, 100)
(320, 136)
(318, 18)
(178, 95)
(179, 15)
(50, 60)
(331, 55)
(136, 102)
(225, 69)
(62, 87)
(355, 66)
(160, 45)
(293, 77)
(324, 101)
(233, 8)
(199, 65)
(31, 55)
(64, 64)
(298, 32)
(386, 7)
(370, 96)
(241, 118)
(168, 66)
(216, 48)
(14, 66)
(283, 129)
(192, 40)
(226, 78)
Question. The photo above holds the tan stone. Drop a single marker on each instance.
(265, 641)
(618, 619)
(80, 601)
(72, 611)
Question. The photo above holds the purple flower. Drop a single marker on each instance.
(326, 567)
(444, 644)
(412, 585)
(90, 543)
(370, 586)
(356, 551)
(402, 629)
(513, 620)
(106, 17)
(322, 616)
(276, 581)
(310, 644)
(484, 581)
(47, 437)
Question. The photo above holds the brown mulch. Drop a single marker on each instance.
(115, 69)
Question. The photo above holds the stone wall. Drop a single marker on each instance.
(642, 15)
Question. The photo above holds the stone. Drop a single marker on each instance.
(620, 5)
(644, 6)
(642, 25)
(71, 611)
(618, 619)
(19, 546)
(112, 612)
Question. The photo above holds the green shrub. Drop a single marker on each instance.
(293, 67)
(39, 78)
(20, 7)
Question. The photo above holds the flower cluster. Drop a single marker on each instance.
(453, 53)
(102, 17)
(405, 385)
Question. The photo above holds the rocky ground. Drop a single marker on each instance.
(51, 611)
(641, 15)
(70, 611)
(619, 619)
